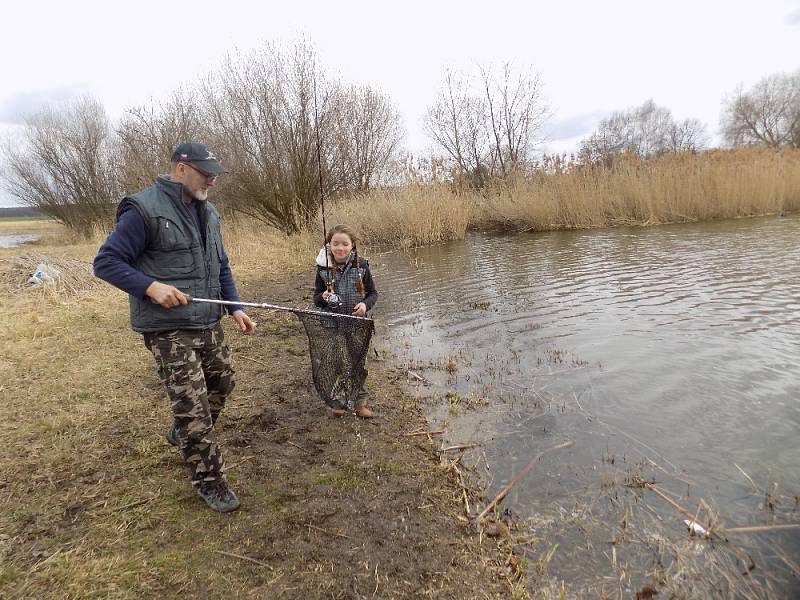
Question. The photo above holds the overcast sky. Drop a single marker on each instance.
(594, 57)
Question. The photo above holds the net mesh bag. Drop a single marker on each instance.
(338, 346)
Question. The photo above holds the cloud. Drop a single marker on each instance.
(793, 18)
(19, 105)
(574, 126)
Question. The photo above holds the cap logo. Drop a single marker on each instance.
(184, 156)
(210, 156)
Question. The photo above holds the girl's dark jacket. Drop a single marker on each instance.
(324, 274)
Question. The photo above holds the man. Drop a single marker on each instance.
(167, 248)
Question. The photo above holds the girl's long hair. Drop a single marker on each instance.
(353, 239)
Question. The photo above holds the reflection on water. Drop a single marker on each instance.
(10, 241)
(671, 352)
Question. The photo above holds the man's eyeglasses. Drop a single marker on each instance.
(210, 177)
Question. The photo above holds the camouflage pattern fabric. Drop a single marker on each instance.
(195, 368)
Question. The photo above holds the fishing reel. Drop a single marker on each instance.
(334, 301)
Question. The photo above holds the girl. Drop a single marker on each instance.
(344, 285)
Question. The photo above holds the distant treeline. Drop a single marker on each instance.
(7, 212)
(290, 134)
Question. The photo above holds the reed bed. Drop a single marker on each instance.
(405, 217)
(672, 189)
(675, 188)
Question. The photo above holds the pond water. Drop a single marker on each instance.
(12, 240)
(667, 354)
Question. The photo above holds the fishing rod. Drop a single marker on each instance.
(333, 298)
(303, 311)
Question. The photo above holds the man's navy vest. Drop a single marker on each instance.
(176, 255)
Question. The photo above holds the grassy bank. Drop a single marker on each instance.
(96, 504)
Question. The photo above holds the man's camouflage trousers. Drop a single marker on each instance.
(195, 367)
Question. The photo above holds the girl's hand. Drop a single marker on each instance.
(359, 310)
(325, 295)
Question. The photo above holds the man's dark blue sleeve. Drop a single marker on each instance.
(119, 251)
(227, 284)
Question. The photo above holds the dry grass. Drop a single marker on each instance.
(671, 189)
(405, 217)
(95, 504)
(259, 252)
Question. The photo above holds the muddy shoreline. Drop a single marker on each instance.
(369, 511)
(97, 504)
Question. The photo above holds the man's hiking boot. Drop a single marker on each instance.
(218, 496)
(172, 436)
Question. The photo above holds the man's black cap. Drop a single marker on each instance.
(199, 155)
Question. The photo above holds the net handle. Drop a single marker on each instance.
(301, 311)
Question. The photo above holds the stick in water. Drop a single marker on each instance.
(531, 463)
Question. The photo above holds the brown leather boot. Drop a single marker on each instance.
(365, 412)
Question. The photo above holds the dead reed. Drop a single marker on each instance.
(405, 217)
(672, 189)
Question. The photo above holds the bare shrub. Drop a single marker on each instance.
(64, 167)
(261, 115)
(368, 132)
(147, 135)
(766, 115)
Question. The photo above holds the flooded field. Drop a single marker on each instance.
(669, 356)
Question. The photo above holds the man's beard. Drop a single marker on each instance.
(198, 195)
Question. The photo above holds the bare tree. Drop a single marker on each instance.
(645, 130)
(455, 123)
(147, 136)
(261, 113)
(766, 115)
(64, 166)
(488, 126)
(517, 115)
(368, 132)
(689, 135)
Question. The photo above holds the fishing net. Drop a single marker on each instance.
(338, 346)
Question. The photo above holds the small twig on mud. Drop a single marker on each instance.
(132, 504)
(341, 535)
(247, 558)
(299, 447)
(376, 580)
(236, 464)
(531, 463)
(435, 432)
(417, 376)
(464, 447)
(46, 560)
(467, 509)
(255, 360)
